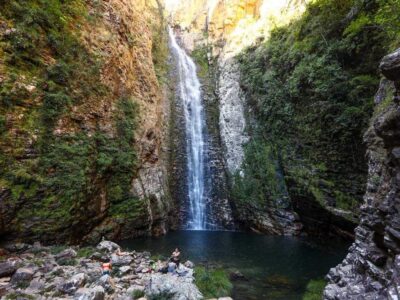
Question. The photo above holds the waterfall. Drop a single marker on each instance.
(190, 94)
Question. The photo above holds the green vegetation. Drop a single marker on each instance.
(314, 290)
(213, 283)
(86, 251)
(50, 74)
(199, 55)
(136, 294)
(57, 249)
(160, 50)
(67, 261)
(311, 88)
(15, 296)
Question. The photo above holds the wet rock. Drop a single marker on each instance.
(7, 268)
(237, 276)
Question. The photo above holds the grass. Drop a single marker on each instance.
(85, 251)
(213, 283)
(57, 249)
(314, 289)
(136, 294)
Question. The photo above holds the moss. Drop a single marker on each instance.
(15, 296)
(136, 294)
(58, 182)
(213, 283)
(200, 56)
(314, 290)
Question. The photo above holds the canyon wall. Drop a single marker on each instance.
(294, 99)
(83, 120)
(372, 265)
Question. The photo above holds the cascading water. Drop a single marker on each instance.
(190, 94)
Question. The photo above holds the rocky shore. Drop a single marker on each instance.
(39, 272)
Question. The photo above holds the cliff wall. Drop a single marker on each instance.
(83, 120)
(372, 266)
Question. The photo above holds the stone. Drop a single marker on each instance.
(73, 284)
(106, 282)
(17, 247)
(22, 275)
(121, 260)
(189, 264)
(94, 293)
(174, 287)
(390, 66)
(67, 253)
(99, 256)
(125, 269)
(108, 246)
(7, 268)
(236, 276)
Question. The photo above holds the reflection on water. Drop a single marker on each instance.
(276, 267)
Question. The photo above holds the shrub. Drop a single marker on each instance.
(57, 249)
(85, 252)
(314, 290)
(136, 294)
(213, 283)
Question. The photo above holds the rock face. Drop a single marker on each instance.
(371, 269)
(232, 120)
(121, 37)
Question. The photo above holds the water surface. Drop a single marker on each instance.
(276, 267)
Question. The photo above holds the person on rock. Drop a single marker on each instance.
(175, 257)
(107, 267)
(121, 253)
(172, 267)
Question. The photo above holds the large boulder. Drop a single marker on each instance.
(7, 268)
(106, 282)
(94, 293)
(390, 66)
(121, 260)
(66, 254)
(107, 246)
(172, 287)
(73, 284)
(22, 275)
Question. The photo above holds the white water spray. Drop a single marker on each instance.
(190, 94)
